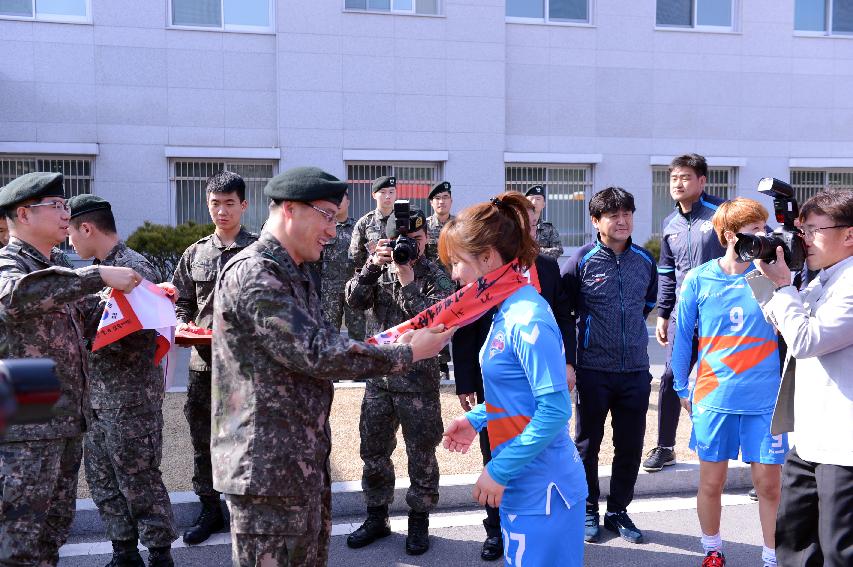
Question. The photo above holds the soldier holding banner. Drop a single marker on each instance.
(124, 441)
(42, 304)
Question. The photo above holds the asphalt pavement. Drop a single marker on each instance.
(669, 524)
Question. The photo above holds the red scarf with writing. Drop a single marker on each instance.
(469, 303)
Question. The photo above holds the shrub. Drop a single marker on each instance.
(653, 246)
(163, 245)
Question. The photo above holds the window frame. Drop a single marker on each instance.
(440, 4)
(356, 186)
(71, 180)
(226, 28)
(257, 207)
(54, 18)
(827, 24)
(546, 20)
(801, 189)
(696, 27)
(587, 232)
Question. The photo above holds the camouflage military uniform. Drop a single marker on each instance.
(39, 462)
(274, 357)
(334, 270)
(195, 278)
(548, 239)
(123, 445)
(409, 399)
(434, 227)
(365, 234)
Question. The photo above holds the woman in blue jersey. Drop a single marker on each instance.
(738, 377)
(535, 475)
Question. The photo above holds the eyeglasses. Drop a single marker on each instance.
(811, 231)
(58, 205)
(330, 217)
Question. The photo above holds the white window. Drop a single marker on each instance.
(568, 189)
(414, 180)
(807, 182)
(699, 14)
(74, 11)
(824, 17)
(76, 172)
(229, 15)
(189, 180)
(556, 11)
(423, 7)
(721, 182)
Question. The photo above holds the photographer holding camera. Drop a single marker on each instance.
(814, 525)
(395, 284)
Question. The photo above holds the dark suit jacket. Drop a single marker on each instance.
(468, 340)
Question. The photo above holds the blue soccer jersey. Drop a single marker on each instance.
(738, 349)
(522, 358)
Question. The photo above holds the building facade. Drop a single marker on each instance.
(140, 101)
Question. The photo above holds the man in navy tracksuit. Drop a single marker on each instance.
(613, 285)
(688, 240)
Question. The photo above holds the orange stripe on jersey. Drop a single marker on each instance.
(743, 360)
(503, 429)
(706, 381)
(494, 409)
(719, 343)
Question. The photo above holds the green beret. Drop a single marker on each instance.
(35, 185)
(383, 182)
(439, 188)
(306, 184)
(82, 204)
(535, 190)
(417, 221)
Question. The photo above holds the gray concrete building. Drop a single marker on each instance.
(139, 101)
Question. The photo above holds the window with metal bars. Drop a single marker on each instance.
(414, 180)
(567, 192)
(189, 179)
(807, 182)
(721, 182)
(76, 172)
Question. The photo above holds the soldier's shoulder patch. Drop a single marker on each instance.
(443, 281)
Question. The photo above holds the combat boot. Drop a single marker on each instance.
(160, 557)
(209, 521)
(125, 554)
(417, 542)
(377, 525)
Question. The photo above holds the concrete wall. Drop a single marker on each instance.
(467, 83)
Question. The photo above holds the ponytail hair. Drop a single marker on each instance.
(502, 223)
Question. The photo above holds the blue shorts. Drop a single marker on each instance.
(545, 540)
(720, 436)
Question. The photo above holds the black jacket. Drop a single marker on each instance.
(468, 340)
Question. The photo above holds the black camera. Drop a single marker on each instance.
(28, 390)
(404, 249)
(750, 247)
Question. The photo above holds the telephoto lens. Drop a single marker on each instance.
(750, 247)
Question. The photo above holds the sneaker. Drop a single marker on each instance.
(621, 524)
(658, 458)
(753, 495)
(714, 559)
(591, 531)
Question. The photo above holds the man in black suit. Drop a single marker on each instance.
(467, 342)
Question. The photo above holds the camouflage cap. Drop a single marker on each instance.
(82, 204)
(306, 184)
(35, 185)
(383, 182)
(440, 187)
(417, 221)
(535, 190)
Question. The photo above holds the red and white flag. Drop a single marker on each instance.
(146, 307)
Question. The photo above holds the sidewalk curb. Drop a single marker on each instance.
(455, 490)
